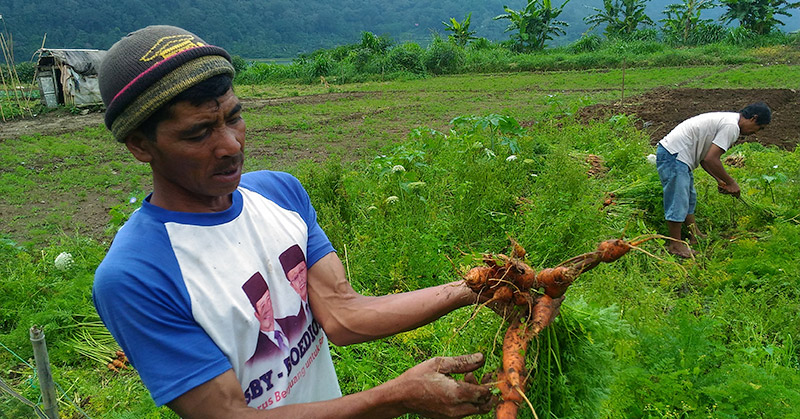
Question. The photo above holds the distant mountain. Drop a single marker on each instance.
(273, 28)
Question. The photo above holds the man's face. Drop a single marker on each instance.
(298, 280)
(749, 126)
(197, 156)
(264, 313)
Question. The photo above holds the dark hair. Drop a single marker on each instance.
(760, 110)
(209, 89)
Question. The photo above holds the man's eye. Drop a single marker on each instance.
(198, 137)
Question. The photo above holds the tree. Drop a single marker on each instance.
(757, 16)
(622, 17)
(461, 33)
(536, 24)
(683, 19)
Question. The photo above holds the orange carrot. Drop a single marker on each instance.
(511, 380)
(478, 277)
(504, 294)
(611, 250)
(555, 280)
(511, 279)
(522, 299)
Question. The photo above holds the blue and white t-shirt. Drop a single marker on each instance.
(175, 292)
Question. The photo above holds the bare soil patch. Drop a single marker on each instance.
(660, 110)
(61, 121)
(51, 123)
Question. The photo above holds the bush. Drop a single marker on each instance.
(707, 34)
(481, 44)
(586, 43)
(407, 57)
(26, 71)
(239, 63)
(443, 57)
(375, 43)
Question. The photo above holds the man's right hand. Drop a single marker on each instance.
(429, 389)
(729, 188)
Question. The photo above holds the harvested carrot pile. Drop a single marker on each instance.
(509, 279)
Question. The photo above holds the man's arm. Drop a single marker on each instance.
(348, 317)
(425, 389)
(712, 164)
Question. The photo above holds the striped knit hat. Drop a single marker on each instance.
(148, 67)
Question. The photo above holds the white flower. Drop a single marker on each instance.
(775, 167)
(651, 158)
(63, 261)
(391, 200)
(132, 200)
(511, 158)
(398, 168)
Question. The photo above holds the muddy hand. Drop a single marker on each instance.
(432, 392)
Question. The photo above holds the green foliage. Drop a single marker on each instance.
(621, 17)
(683, 24)
(501, 130)
(573, 367)
(378, 58)
(407, 57)
(461, 33)
(443, 57)
(758, 16)
(25, 71)
(534, 25)
(587, 43)
(239, 63)
(374, 43)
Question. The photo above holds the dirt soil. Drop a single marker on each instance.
(61, 121)
(660, 110)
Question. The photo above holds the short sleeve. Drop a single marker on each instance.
(141, 299)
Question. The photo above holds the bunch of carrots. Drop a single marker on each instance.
(118, 363)
(509, 279)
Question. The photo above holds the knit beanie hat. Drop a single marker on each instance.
(148, 67)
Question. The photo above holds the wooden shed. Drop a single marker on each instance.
(69, 76)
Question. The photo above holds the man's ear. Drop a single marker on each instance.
(140, 146)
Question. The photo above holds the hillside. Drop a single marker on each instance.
(278, 28)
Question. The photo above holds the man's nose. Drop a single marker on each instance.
(229, 143)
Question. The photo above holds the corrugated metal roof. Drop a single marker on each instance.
(83, 61)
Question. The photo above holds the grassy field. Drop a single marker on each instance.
(648, 336)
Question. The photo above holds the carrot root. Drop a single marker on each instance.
(510, 279)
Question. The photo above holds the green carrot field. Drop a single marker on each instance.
(413, 180)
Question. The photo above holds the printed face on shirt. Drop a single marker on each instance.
(298, 279)
(264, 313)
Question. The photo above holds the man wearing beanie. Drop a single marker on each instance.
(175, 287)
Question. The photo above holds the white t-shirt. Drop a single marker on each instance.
(692, 138)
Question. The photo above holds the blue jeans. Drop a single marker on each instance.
(677, 183)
